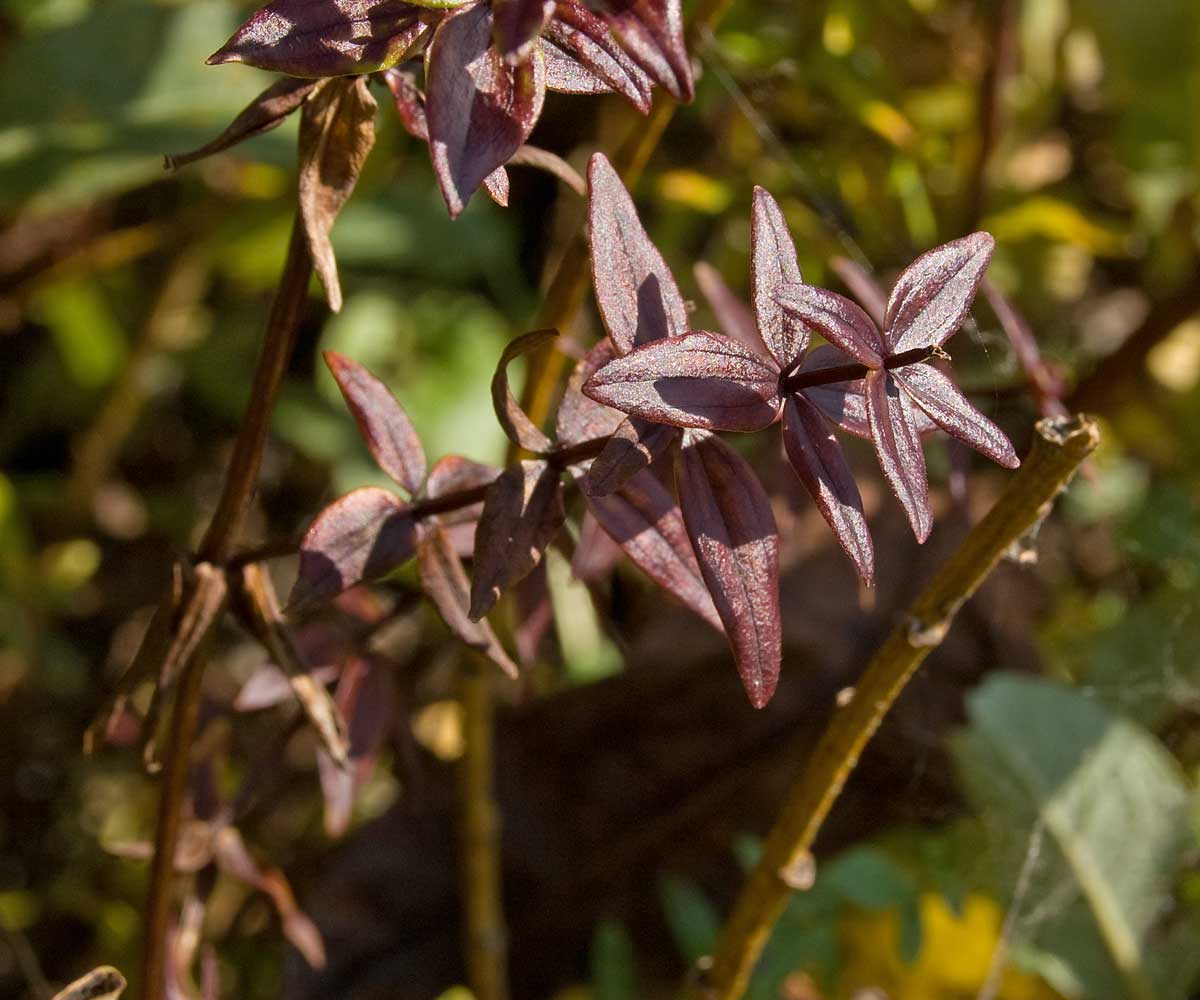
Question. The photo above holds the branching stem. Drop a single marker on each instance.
(1059, 447)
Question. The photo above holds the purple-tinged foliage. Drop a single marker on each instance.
(729, 519)
(382, 422)
(929, 302)
(487, 64)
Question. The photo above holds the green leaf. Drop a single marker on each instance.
(1113, 805)
(691, 916)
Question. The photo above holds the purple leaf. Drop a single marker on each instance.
(445, 582)
(578, 35)
(580, 418)
(496, 186)
(643, 518)
(337, 131)
(818, 460)
(898, 445)
(522, 513)
(733, 533)
(837, 319)
(410, 102)
(842, 402)
(264, 113)
(773, 265)
(517, 24)
(652, 32)
(938, 396)
(269, 686)
(453, 474)
(697, 380)
(322, 38)
(596, 554)
(632, 447)
(638, 298)
(734, 317)
(1047, 386)
(520, 430)
(863, 287)
(382, 422)
(932, 296)
(480, 109)
(362, 536)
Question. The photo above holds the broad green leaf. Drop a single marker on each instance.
(1113, 805)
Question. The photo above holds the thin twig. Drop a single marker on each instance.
(480, 864)
(218, 544)
(1058, 449)
(992, 112)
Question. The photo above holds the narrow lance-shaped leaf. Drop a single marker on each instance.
(632, 447)
(266, 112)
(635, 290)
(480, 110)
(445, 582)
(931, 297)
(864, 287)
(734, 318)
(837, 319)
(819, 462)
(652, 32)
(522, 513)
(729, 519)
(773, 265)
(324, 38)
(577, 35)
(382, 422)
(596, 552)
(644, 520)
(337, 131)
(938, 396)
(362, 536)
(517, 24)
(698, 380)
(519, 429)
(898, 445)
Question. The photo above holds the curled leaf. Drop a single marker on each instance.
(382, 422)
(582, 53)
(480, 109)
(632, 447)
(266, 112)
(644, 520)
(519, 429)
(522, 512)
(697, 380)
(819, 462)
(337, 131)
(325, 38)
(773, 265)
(445, 582)
(103, 983)
(652, 32)
(898, 445)
(638, 298)
(733, 533)
(931, 297)
(938, 396)
(364, 535)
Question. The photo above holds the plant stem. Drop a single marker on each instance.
(479, 848)
(242, 476)
(216, 547)
(1058, 448)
